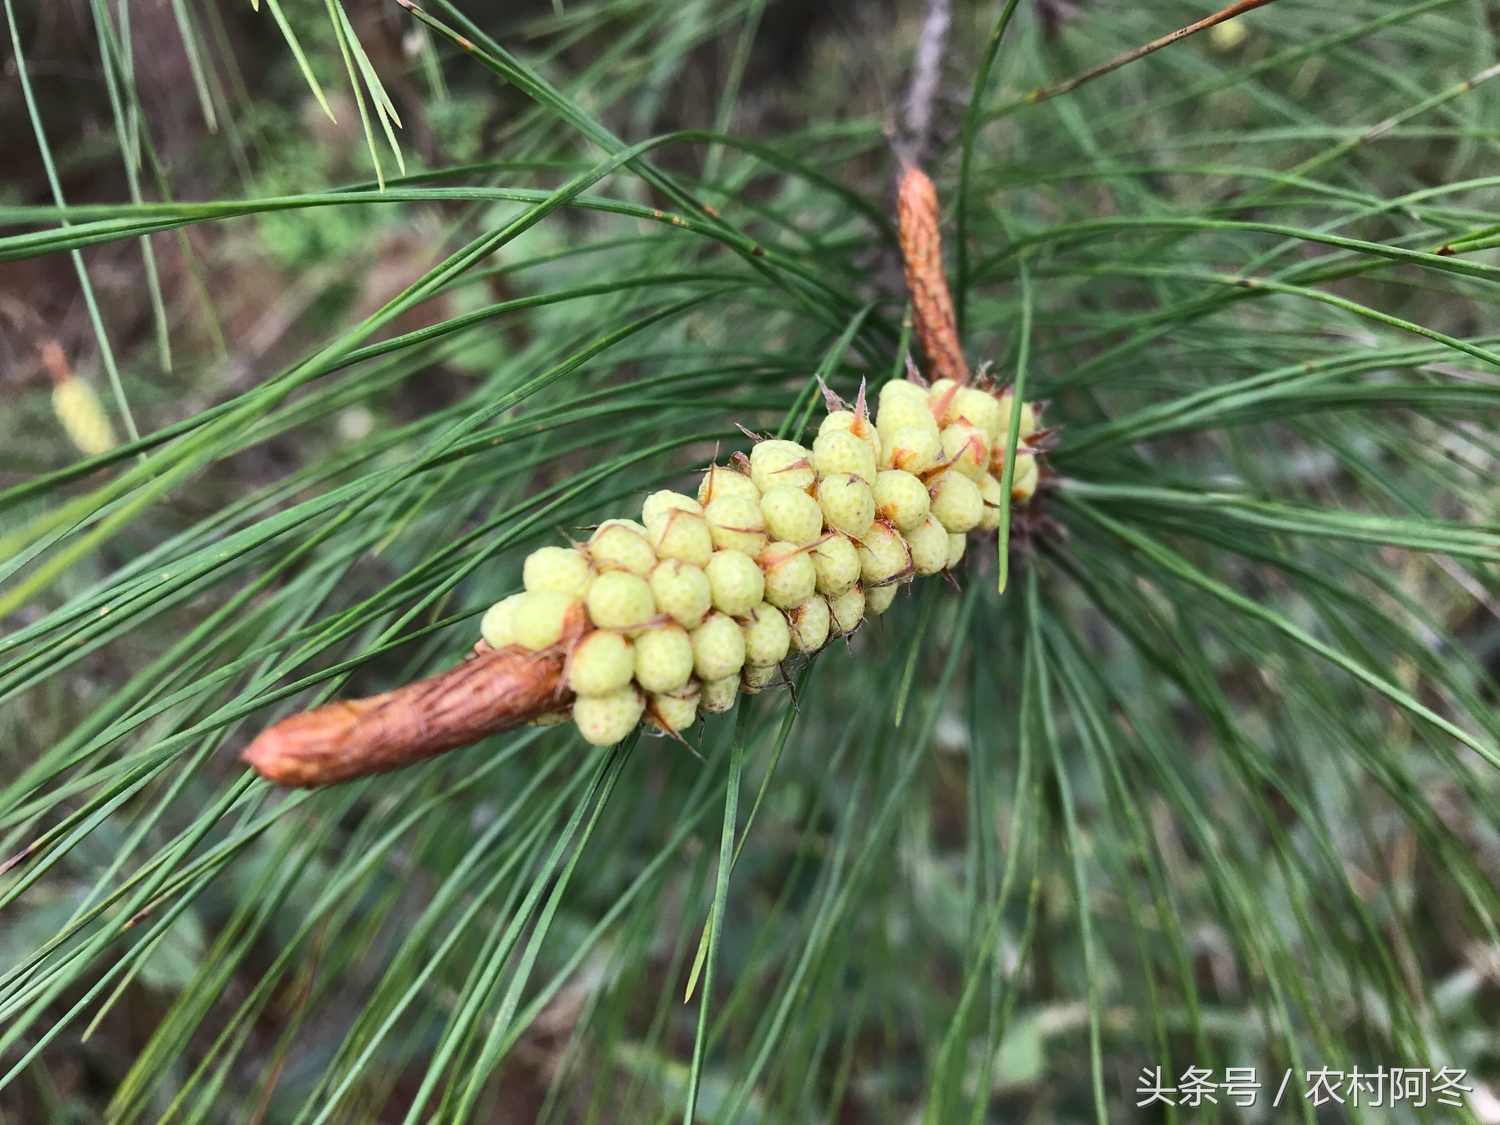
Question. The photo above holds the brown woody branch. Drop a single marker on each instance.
(926, 72)
(496, 691)
(1042, 93)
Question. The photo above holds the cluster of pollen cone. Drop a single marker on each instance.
(779, 553)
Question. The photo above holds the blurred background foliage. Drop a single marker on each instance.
(1213, 782)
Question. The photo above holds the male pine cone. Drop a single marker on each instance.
(76, 406)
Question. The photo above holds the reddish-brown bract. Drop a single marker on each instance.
(922, 251)
(340, 741)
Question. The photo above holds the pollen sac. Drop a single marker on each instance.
(929, 547)
(836, 564)
(841, 452)
(965, 446)
(618, 600)
(718, 648)
(846, 421)
(735, 523)
(673, 711)
(836, 422)
(767, 637)
(791, 576)
(754, 680)
(1028, 419)
(900, 390)
(904, 413)
(1023, 486)
(941, 397)
(912, 449)
(557, 570)
(680, 534)
(666, 501)
(719, 482)
(634, 525)
(956, 502)
(901, 499)
(847, 504)
(781, 462)
(878, 600)
(989, 492)
(956, 545)
(622, 545)
(980, 408)
(791, 515)
(554, 718)
(663, 658)
(538, 619)
(605, 719)
(809, 625)
(497, 627)
(735, 581)
(884, 558)
(1024, 457)
(602, 663)
(717, 696)
(682, 592)
(846, 611)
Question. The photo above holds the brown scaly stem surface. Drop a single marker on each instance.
(922, 251)
(494, 691)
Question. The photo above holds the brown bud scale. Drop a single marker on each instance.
(922, 251)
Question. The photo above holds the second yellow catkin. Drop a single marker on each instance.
(82, 417)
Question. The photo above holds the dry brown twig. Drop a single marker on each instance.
(497, 690)
(1042, 93)
(917, 205)
(926, 72)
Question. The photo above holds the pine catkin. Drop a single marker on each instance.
(77, 408)
(922, 250)
(611, 649)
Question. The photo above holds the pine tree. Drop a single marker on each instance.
(1190, 765)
